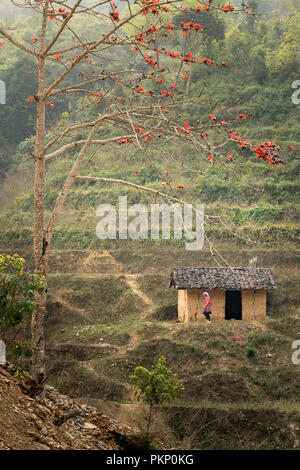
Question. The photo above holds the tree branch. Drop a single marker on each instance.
(132, 185)
(82, 142)
(69, 181)
(64, 24)
(16, 43)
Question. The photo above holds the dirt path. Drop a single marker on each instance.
(107, 380)
(132, 281)
(92, 261)
(68, 306)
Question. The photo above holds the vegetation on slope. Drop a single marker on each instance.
(98, 328)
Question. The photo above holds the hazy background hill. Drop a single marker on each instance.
(264, 59)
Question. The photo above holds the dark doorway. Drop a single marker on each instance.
(233, 305)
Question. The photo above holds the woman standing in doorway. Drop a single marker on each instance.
(207, 306)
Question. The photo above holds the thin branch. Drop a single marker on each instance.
(16, 43)
(61, 29)
(82, 142)
(132, 185)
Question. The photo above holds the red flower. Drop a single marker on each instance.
(228, 8)
(50, 104)
(198, 27)
(186, 126)
(114, 15)
(242, 117)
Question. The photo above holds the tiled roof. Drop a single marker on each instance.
(222, 278)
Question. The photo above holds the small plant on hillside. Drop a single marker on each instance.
(251, 350)
(17, 301)
(155, 387)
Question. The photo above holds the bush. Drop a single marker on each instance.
(17, 298)
(156, 387)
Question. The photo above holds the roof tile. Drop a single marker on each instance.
(222, 278)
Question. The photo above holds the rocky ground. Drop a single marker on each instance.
(54, 422)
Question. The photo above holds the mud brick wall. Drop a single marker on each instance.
(191, 301)
(254, 304)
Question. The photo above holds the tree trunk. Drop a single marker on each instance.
(148, 423)
(40, 247)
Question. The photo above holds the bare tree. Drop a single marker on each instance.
(140, 118)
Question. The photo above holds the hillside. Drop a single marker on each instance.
(109, 305)
(109, 311)
(135, 322)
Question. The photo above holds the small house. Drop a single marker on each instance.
(236, 293)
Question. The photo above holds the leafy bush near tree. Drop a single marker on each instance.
(156, 387)
(18, 289)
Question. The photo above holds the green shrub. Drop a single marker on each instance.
(17, 299)
(155, 387)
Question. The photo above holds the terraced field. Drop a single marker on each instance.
(106, 316)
